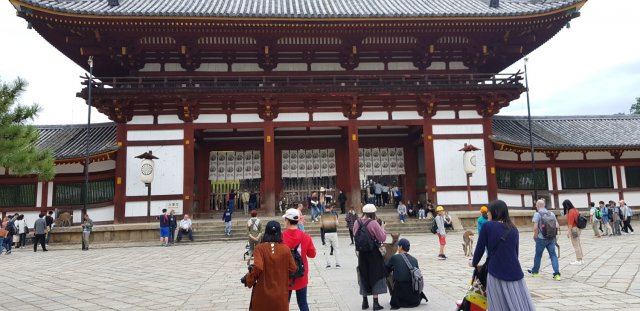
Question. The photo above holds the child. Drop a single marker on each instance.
(442, 232)
(226, 217)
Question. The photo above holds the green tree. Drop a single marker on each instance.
(18, 150)
(635, 108)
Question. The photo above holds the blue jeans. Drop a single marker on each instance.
(402, 217)
(315, 212)
(550, 246)
(1, 244)
(8, 242)
(301, 297)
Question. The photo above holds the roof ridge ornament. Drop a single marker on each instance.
(114, 2)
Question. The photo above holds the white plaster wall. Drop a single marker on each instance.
(460, 197)
(211, 118)
(458, 129)
(438, 66)
(141, 120)
(133, 209)
(328, 116)
(599, 156)
(550, 178)
(77, 216)
(559, 174)
(505, 155)
(401, 66)
(39, 195)
(243, 118)
(102, 166)
(604, 196)
(326, 67)
(245, 67)
(150, 67)
(569, 156)
(526, 156)
(578, 199)
(445, 114)
(405, 115)
(101, 213)
(169, 119)
(632, 198)
(614, 176)
(468, 114)
(291, 67)
(290, 117)
(512, 200)
(370, 66)
(174, 67)
(212, 67)
(138, 135)
(630, 155)
(624, 177)
(457, 66)
(50, 194)
(374, 115)
(169, 173)
(69, 168)
(448, 163)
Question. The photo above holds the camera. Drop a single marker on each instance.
(243, 280)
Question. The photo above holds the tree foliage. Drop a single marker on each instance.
(635, 108)
(18, 150)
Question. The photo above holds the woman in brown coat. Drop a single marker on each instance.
(269, 277)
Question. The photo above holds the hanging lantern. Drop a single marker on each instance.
(469, 159)
(147, 167)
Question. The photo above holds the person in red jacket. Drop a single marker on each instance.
(294, 237)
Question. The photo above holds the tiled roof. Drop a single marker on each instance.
(68, 141)
(304, 8)
(571, 132)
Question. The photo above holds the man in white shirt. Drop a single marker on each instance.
(626, 217)
(185, 227)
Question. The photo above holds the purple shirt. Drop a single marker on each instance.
(374, 228)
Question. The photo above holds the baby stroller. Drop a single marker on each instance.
(476, 297)
(246, 251)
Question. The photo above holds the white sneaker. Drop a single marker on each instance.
(577, 263)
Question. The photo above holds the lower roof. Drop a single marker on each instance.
(569, 132)
(69, 141)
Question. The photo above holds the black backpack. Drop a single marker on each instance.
(363, 240)
(297, 257)
(11, 228)
(582, 222)
(434, 226)
(548, 226)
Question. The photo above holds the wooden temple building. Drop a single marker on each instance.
(283, 97)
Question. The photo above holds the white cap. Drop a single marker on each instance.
(321, 189)
(369, 208)
(291, 214)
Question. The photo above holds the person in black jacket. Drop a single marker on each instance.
(342, 199)
(402, 293)
(173, 225)
(49, 221)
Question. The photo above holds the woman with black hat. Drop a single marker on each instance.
(269, 276)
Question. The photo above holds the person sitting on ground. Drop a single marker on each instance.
(402, 211)
(402, 294)
(411, 210)
(422, 213)
(431, 209)
(185, 228)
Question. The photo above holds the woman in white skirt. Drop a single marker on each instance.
(506, 288)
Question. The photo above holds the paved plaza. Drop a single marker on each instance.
(205, 276)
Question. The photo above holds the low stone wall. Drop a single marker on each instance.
(108, 233)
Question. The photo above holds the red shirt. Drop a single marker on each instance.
(572, 218)
(293, 237)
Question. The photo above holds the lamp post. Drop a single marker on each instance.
(146, 176)
(87, 137)
(533, 157)
(469, 164)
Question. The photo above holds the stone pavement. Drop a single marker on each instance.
(205, 276)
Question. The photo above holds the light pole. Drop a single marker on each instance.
(146, 176)
(87, 137)
(469, 164)
(533, 157)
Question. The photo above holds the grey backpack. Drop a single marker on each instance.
(417, 281)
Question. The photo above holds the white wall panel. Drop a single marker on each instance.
(624, 177)
(211, 118)
(39, 195)
(512, 200)
(239, 67)
(326, 67)
(401, 66)
(169, 173)
(154, 135)
(457, 66)
(101, 213)
(505, 155)
(559, 174)
(213, 67)
(458, 129)
(150, 67)
(169, 119)
(406, 115)
(448, 163)
(174, 67)
(329, 116)
(564, 156)
(526, 156)
(578, 199)
(134, 209)
(243, 118)
(50, 194)
(291, 67)
(2, 170)
(468, 114)
(604, 196)
(460, 197)
(374, 115)
(614, 176)
(77, 216)
(69, 168)
(445, 114)
(290, 117)
(437, 66)
(370, 66)
(631, 197)
(141, 120)
(102, 166)
(549, 178)
(599, 156)
(631, 155)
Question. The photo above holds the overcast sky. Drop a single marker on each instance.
(590, 69)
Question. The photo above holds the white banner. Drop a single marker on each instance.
(248, 167)
(368, 163)
(400, 159)
(213, 166)
(293, 163)
(316, 163)
(377, 167)
(302, 164)
(384, 161)
(324, 164)
(285, 164)
(331, 161)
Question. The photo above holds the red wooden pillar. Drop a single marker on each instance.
(411, 173)
(353, 164)
(429, 159)
(204, 186)
(490, 161)
(269, 164)
(45, 195)
(121, 175)
(189, 169)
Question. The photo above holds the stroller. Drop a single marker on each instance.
(476, 297)
(246, 251)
